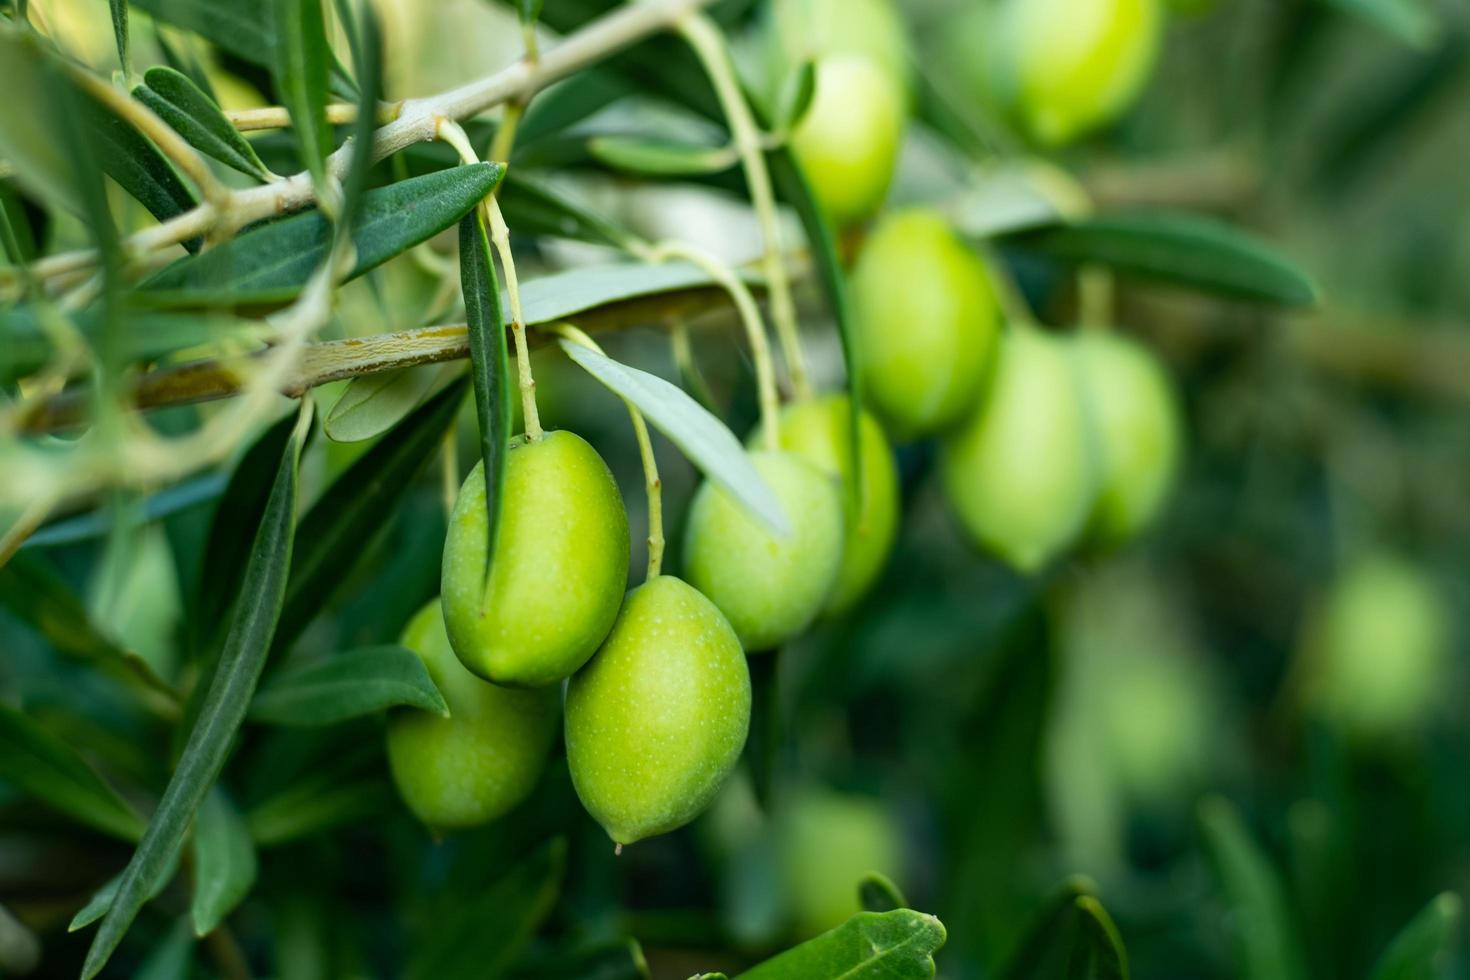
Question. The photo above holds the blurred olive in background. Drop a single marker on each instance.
(827, 842)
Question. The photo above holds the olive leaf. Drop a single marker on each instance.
(119, 10)
(231, 686)
(554, 111)
(599, 287)
(1183, 249)
(374, 403)
(644, 157)
(1042, 943)
(240, 27)
(102, 898)
(795, 97)
(1421, 949)
(897, 944)
(699, 435)
(176, 100)
(532, 207)
(489, 365)
(299, 66)
(172, 958)
(313, 805)
(365, 37)
(139, 168)
(1099, 952)
(270, 264)
(878, 893)
(1266, 940)
(43, 766)
(224, 862)
(26, 141)
(347, 685)
(1414, 22)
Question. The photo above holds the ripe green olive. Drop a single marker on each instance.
(656, 719)
(770, 587)
(484, 758)
(848, 141)
(1137, 429)
(872, 29)
(560, 567)
(1379, 647)
(1019, 473)
(927, 320)
(827, 842)
(1065, 67)
(817, 431)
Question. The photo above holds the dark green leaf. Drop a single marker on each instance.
(1044, 938)
(356, 506)
(620, 960)
(314, 805)
(347, 685)
(240, 27)
(796, 96)
(699, 435)
(271, 263)
(1414, 22)
(176, 100)
(224, 862)
(136, 164)
(120, 33)
(1422, 948)
(483, 937)
(300, 65)
(101, 900)
(374, 403)
(489, 363)
(171, 959)
(1099, 952)
(878, 893)
(367, 58)
(231, 687)
(1266, 940)
(658, 158)
(531, 207)
(48, 769)
(568, 102)
(1182, 249)
(891, 945)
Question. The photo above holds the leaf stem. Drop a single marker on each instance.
(705, 37)
(652, 485)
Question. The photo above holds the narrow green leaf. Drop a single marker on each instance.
(224, 862)
(489, 363)
(532, 207)
(245, 649)
(566, 294)
(1047, 931)
(795, 97)
(658, 158)
(1422, 948)
(557, 109)
(1414, 22)
(347, 685)
(1266, 940)
(32, 590)
(171, 959)
(374, 403)
(271, 263)
(26, 140)
(699, 435)
(120, 34)
(1099, 953)
(365, 37)
(1182, 249)
(357, 506)
(101, 900)
(301, 67)
(482, 938)
(878, 893)
(137, 165)
(241, 27)
(890, 945)
(43, 766)
(312, 806)
(176, 100)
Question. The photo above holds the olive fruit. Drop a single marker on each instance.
(848, 141)
(485, 757)
(827, 842)
(656, 719)
(1379, 646)
(817, 430)
(1064, 67)
(927, 320)
(1019, 473)
(770, 586)
(1136, 428)
(560, 566)
(871, 29)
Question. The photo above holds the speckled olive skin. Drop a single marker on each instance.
(1137, 430)
(770, 587)
(484, 758)
(817, 431)
(1066, 67)
(560, 568)
(848, 141)
(927, 322)
(656, 720)
(1019, 473)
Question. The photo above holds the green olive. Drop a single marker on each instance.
(657, 719)
(827, 842)
(560, 568)
(1379, 647)
(769, 586)
(1065, 67)
(1138, 431)
(1019, 473)
(927, 320)
(848, 141)
(485, 757)
(871, 29)
(817, 431)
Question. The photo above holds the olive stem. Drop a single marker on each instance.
(750, 318)
(708, 42)
(452, 133)
(651, 482)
